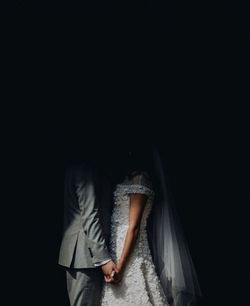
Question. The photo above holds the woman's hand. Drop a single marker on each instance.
(119, 273)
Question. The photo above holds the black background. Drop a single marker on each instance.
(117, 75)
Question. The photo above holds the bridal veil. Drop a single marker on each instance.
(169, 248)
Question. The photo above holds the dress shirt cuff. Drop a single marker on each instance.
(103, 262)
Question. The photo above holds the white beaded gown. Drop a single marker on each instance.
(140, 284)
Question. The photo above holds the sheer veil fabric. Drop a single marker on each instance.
(170, 251)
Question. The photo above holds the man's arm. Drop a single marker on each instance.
(92, 229)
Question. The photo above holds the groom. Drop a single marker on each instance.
(84, 252)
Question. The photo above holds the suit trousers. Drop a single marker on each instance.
(84, 286)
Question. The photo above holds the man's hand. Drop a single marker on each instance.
(115, 277)
(109, 270)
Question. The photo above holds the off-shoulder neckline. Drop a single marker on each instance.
(127, 186)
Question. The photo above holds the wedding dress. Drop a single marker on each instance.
(140, 284)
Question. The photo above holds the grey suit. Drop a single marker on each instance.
(87, 210)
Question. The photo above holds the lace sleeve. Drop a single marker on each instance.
(137, 183)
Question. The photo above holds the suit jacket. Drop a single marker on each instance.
(87, 211)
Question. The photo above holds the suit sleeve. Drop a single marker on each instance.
(92, 229)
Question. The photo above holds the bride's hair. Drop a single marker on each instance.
(132, 162)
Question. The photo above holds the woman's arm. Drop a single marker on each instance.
(137, 204)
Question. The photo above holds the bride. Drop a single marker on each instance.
(154, 266)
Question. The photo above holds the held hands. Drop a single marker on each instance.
(112, 272)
